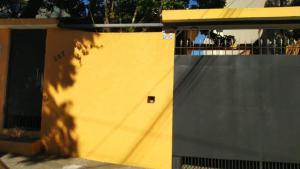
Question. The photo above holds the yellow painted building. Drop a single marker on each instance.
(99, 96)
(106, 96)
(231, 14)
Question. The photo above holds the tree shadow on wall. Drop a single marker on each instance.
(65, 55)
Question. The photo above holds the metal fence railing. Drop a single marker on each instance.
(192, 44)
(206, 163)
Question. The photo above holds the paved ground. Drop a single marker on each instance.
(46, 162)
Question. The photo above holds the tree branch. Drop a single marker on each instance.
(31, 9)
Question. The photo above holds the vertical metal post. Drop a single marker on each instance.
(206, 45)
(212, 44)
(261, 46)
(231, 47)
(177, 163)
(238, 48)
(252, 48)
(245, 43)
(187, 47)
(193, 46)
(259, 41)
(261, 165)
(274, 46)
(225, 43)
(281, 45)
(181, 44)
(268, 50)
(219, 46)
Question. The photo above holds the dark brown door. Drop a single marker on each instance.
(24, 85)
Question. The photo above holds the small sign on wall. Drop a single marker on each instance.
(167, 35)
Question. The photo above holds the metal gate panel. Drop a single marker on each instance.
(237, 107)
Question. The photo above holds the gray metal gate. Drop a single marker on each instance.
(236, 105)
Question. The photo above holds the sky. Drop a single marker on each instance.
(192, 2)
(86, 1)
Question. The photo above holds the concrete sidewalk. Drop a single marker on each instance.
(49, 162)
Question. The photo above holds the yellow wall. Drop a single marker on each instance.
(4, 55)
(274, 13)
(95, 97)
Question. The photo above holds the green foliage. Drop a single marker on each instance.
(107, 11)
(11, 8)
(174, 4)
(30, 8)
(279, 3)
(132, 11)
(284, 34)
(296, 3)
(74, 8)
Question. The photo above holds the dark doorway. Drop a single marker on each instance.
(25, 75)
